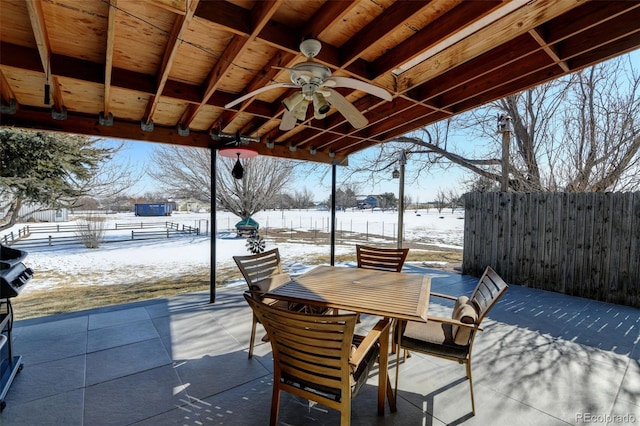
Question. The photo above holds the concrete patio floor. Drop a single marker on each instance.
(543, 359)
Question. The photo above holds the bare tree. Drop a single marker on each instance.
(186, 172)
(264, 178)
(577, 133)
(47, 170)
(441, 200)
(182, 172)
(302, 199)
(453, 200)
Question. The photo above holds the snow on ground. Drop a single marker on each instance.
(126, 261)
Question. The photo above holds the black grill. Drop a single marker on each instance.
(13, 276)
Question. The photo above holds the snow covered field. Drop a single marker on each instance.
(127, 261)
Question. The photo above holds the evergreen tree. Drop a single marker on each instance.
(50, 170)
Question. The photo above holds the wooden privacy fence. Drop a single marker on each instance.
(582, 244)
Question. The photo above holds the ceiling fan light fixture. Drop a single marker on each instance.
(293, 101)
(320, 104)
(300, 113)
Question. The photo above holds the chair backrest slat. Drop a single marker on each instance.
(312, 348)
(489, 289)
(257, 267)
(386, 259)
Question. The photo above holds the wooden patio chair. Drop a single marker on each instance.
(262, 272)
(318, 357)
(452, 338)
(383, 259)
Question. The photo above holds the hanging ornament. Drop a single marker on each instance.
(238, 171)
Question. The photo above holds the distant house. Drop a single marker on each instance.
(192, 205)
(368, 202)
(33, 212)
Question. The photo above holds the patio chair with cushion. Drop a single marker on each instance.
(262, 272)
(318, 357)
(384, 259)
(452, 338)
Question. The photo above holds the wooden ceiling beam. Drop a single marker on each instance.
(226, 16)
(461, 16)
(260, 16)
(587, 15)
(180, 26)
(393, 18)
(108, 62)
(331, 13)
(607, 51)
(36, 15)
(86, 125)
(176, 6)
(626, 25)
(269, 73)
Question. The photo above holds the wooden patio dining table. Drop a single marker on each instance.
(392, 295)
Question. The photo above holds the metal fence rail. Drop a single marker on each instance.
(152, 230)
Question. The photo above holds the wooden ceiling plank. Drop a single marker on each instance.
(327, 16)
(36, 15)
(108, 63)
(180, 26)
(529, 16)
(389, 21)
(176, 6)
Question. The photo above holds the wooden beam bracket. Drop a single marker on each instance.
(146, 127)
(9, 109)
(183, 132)
(105, 120)
(59, 115)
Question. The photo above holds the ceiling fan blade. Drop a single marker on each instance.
(288, 120)
(351, 113)
(257, 91)
(352, 83)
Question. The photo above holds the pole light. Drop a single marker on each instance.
(504, 127)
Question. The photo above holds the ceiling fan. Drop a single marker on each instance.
(317, 86)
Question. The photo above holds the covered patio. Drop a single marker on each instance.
(169, 71)
(543, 359)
